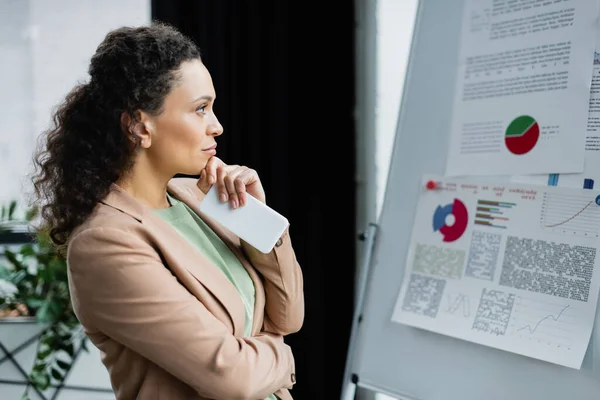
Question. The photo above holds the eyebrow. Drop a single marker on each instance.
(205, 97)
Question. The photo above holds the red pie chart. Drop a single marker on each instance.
(522, 135)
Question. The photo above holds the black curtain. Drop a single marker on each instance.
(284, 78)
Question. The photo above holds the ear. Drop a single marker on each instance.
(139, 128)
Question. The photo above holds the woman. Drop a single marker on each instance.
(179, 307)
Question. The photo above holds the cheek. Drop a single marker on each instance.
(186, 134)
(198, 135)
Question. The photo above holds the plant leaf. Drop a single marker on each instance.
(66, 338)
(18, 277)
(63, 364)
(34, 304)
(44, 274)
(56, 374)
(43, 354)
(40, 276)
(31, 214)
(39, 367)
(11, 209)
(55, 308)
(70, 349)
(4, 272)
(43, 313)
(41, 380)
(27, 250)
(12, 258)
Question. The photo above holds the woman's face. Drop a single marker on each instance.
(183, 136)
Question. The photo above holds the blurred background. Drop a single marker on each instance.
(308, 97)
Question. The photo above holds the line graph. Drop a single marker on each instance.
(532, 330)
(570, 218)
(458, 304)
(545, 321)
(571, 214)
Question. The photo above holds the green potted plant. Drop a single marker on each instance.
(36, 278)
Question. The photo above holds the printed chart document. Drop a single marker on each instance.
(510, 266)
(591, 172)
(521, 99)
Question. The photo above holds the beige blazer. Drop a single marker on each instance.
(168, 323)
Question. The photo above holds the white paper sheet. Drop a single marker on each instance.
(590, 177)
(509, 266)
(524, 77)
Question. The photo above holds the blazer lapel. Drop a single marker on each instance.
(181, 252)
(233, 242)
(181, 256)
(193, 201)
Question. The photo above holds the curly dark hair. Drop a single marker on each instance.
(88, 147)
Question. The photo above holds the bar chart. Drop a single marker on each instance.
(492, 213)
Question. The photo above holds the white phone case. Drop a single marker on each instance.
(255, 222)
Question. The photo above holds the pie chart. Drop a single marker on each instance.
(452, 232)
(522, 135)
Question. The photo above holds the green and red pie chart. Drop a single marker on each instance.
(522, 135)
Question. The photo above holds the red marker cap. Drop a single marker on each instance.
(431, 185)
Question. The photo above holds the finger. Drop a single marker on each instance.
(231, 191)
(231, 168)
(202, 183)
(221, 173)
(211, 169)
(232, 187)
(246, 178)
(240, 188)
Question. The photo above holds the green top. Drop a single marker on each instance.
(189, 225)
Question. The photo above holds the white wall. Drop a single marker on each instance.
(16, 96)
(45, 47)
(395, 21)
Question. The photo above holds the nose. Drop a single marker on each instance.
(215, 128)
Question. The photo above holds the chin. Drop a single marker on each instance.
(195, 169)
(194, 172)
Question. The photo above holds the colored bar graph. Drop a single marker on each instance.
(491, 213)
(496, 203)
(588, 183)
(553, 180)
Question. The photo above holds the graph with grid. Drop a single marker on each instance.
(572, 214)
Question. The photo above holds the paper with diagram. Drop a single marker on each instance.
(510, 266)
(591, 171)
(523, 82)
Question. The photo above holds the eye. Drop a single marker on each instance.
(201, 109)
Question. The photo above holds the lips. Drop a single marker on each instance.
(214, 146)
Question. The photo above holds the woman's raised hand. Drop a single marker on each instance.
(233, 182)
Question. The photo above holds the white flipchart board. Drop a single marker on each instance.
(415, 364)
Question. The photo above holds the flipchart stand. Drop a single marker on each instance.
(402, 361)
(350, 380)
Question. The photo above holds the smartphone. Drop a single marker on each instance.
(255, 222)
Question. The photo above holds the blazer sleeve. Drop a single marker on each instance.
(121, 288)
(284, 286)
